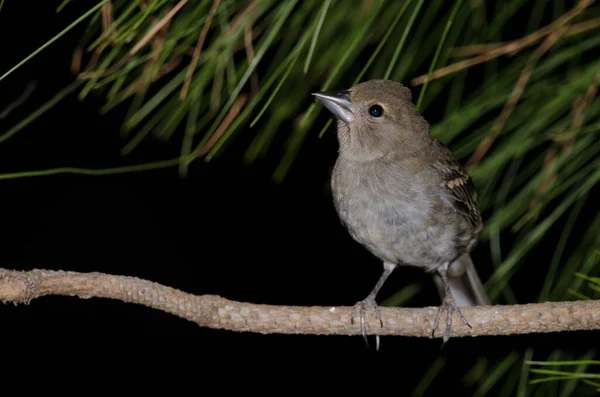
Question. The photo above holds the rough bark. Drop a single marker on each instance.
(216, 312)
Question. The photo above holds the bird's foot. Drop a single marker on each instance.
(360, 309)
(449, 306)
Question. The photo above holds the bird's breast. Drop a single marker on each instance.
(389, 212)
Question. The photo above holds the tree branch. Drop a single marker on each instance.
(216, 312)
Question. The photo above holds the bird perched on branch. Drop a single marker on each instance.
(403, 196)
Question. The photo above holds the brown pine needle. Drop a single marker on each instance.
(478, 49)
(241, 17)
(508, 49)
(217, 87)
(93, 60)
(156, 28)
(156, 45)
(76, 60)
(515, 95)
(107, 16)
(198, 49)
(560, 29)
(158, 38)
(94, 75)
(250, 56)
(138, 86)
(583, 26)
(581, 105)
(563, 142)
(231, 115)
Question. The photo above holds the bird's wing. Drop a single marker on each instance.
(459, 186)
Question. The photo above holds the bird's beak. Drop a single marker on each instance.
(338, 103)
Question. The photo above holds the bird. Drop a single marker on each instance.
(403, 195)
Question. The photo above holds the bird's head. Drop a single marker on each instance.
(374, 118)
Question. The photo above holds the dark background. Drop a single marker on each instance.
(227, 229)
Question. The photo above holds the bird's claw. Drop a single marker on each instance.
(360, 308)
(449, 306)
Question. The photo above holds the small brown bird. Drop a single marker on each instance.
(403, 196)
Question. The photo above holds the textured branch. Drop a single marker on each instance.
(216, 312)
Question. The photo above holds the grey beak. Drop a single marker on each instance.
(338, 103)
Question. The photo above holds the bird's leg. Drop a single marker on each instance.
(361, 307)
(449, 306)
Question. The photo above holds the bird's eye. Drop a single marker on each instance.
(376, 111)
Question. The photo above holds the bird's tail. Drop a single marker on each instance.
(467, 289)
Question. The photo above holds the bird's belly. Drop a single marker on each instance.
(397, 231)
